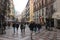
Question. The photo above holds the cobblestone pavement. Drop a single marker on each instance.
(43, 35)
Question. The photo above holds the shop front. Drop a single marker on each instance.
(56, 17)
(58, 23)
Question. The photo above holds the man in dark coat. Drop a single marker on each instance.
(17, 26)
(31, 27)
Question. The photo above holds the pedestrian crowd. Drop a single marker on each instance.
(33, 26)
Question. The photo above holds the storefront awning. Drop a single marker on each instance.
(56, 15)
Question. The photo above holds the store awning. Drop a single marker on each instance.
(56, 15)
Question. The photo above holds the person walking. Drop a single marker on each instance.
(8, 25)
(4, 27)
(35, 27)
(13, 27)
(31, 27)
(17, 26)
(24, 26)
(21, 27)
(39, 27)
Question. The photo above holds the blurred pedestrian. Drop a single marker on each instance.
(31, 27)
(35, 27)
(17, 26)
(4, 27)
(13, 26)
(8, 25)
(24, 26)
(39, 27)
(21, 27)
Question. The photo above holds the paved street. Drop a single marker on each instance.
(43, 35)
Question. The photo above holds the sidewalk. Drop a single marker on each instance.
(43, 35)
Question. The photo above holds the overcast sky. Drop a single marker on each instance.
(20, 5)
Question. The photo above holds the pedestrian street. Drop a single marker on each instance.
(43, 35)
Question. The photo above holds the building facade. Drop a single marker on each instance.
(11, 14)
(39, 8)
(56, 15)
(43, 8)
(27, 12)
(23, 16)
(4, 11)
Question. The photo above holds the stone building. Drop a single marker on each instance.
(4, 7)
(56, 15)
(39, 8)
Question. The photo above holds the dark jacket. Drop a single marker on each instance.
(31, 26)
(39, 26)
(17, 25)
(4, 26)
(13, 25)
(22, 26)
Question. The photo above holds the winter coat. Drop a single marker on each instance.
(31, 26)
(17, 25)
(13, 25)
(22, 26)
(39, 26)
